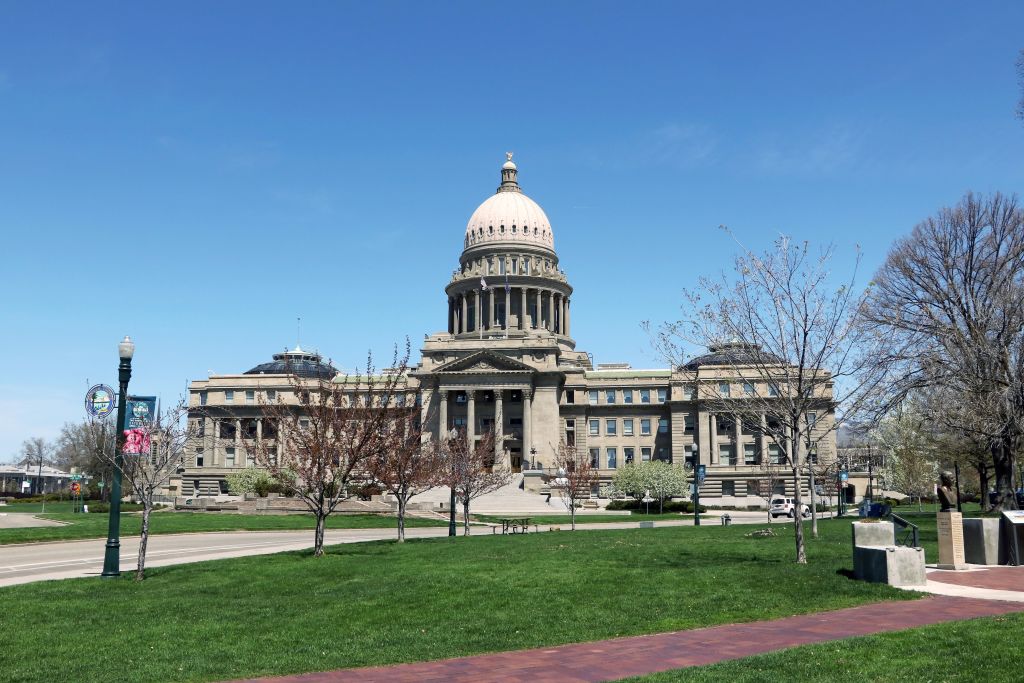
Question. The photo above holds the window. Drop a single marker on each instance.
(690, 392)
(249, 428)
(460, 397)
(645, 454)
(612, 464)
(229, 396)
(774, 454)
(226, 429)
(593, 397)
(728, 488)
(627, 395)
(501, 261)
(663, 425)
(663, 454)
(724, 425)
(595, 457)
(570, 432)
(400, 400)
(773, 389)
(202, 398)
(627, 426)
(515, 396)
(303, 424)
(250, 460)
(749, 427)
(627, 453)
(723, 389)
(271, 395)
(726, 455)
(199, 457)
(200, 427)
(459, 422)
(610, 427)
(269, 428)
(272, 456)
(645, 395)
(749, 454)
(688, 423)
(662, 395)
(595, 427)
(812, 456)
(229, 457)
(250, 396)
(570, 395)
(779, 488)
(812, 419)
(609, 396)
(748, 389)
(645, 426)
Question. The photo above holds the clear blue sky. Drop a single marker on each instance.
(198, 174)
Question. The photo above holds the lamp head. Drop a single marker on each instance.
(126, 348)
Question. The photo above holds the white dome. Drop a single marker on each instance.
(509, 216)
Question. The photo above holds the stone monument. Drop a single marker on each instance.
(950, 526)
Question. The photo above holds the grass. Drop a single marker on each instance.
(603, 518)
(92, 525)
(381, 603)
(971, 650)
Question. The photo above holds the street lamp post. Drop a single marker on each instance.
(112, 555)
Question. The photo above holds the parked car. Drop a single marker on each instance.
(786, 507)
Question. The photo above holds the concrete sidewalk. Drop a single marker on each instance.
(610, 660)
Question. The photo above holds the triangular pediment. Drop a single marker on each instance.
(484, 362)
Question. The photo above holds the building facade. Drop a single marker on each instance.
(506, 361)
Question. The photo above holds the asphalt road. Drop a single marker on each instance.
(69, 559)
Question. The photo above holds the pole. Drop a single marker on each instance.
(696, 502)
(112, 554)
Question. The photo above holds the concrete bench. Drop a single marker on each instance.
(982, 541)
(877, 558)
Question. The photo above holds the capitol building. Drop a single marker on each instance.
(505, 360)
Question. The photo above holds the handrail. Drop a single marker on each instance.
(910, 527)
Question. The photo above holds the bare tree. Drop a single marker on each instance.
(151, 455)
(35, 452)
(1020, 81)
(785, 330)
(81, 446)
(405, 465)
(772, 475)
(468, 469)
(319, 437)
(576, 477)
(949, 307)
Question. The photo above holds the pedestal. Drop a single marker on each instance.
(950, 526)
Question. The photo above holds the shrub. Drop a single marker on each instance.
(249, 480)
(105, 507)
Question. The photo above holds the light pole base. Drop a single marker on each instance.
(112, 560)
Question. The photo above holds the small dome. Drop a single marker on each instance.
(734, 353)
(296, 362)
(509, 216)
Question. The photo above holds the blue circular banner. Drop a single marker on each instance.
(99, 401)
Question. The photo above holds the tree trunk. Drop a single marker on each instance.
(1002, 465)
(572, 513)
(401, 519)
(983, 483)
(318, 538)
(451, 513)
(814, 502)
(147, 507)
(798, 520)
(465, 517)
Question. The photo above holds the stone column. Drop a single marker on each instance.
(527, 421)
(465, 314)
(713, 455)
(470, 415)
(540, 316)
(476, 311)
(556, 326)
(442, 430)
(490, 322)
(522, 309)
(551, 311)
(508, 308)
(763, 439)
(737, 437)
(565, 317)
(499, 427)
(568, 332)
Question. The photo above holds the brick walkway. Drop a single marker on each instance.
(994, 578)
(622, 657)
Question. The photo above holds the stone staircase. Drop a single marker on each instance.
(508, 500)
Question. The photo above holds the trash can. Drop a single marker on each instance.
(726, 520)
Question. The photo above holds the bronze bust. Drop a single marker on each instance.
(947, 494)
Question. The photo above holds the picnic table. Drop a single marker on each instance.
(513, 525)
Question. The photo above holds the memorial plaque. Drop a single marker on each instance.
(950, 526)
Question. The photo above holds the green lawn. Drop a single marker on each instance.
(51, 506)
(969, 651)
(94, 525)
(378, 603)
(604, 518)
